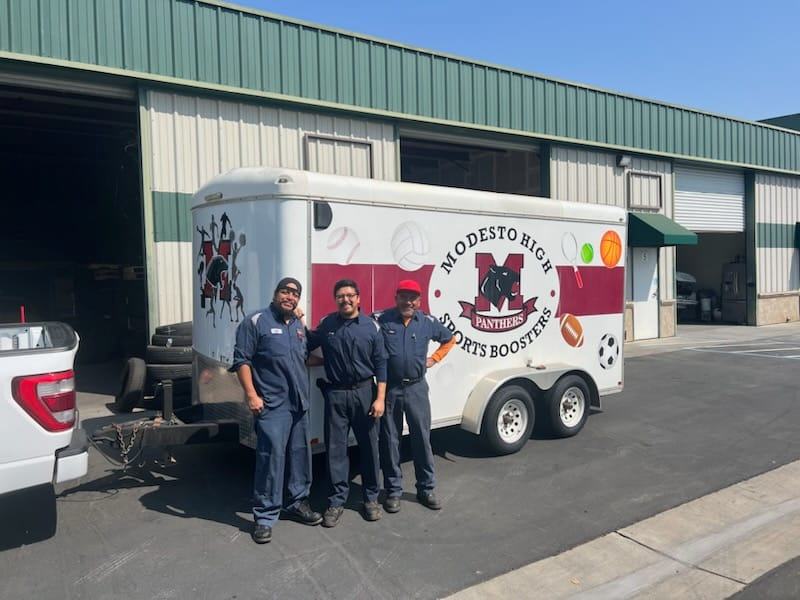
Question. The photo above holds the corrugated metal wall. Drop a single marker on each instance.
(709, 199)
(777, 212)
(193, 139)
(581, 175)
(205, 42)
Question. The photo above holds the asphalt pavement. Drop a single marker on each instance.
(688, 423)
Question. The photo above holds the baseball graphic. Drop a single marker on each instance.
(610, 249)
(343, 244)
(571, 330)
(587, 253)
(409, 246)
(608, 352)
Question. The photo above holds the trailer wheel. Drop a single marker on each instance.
(131, 389)
(568, 405)
(163, 339)
(508, 420)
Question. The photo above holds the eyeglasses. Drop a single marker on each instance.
(340, 297)
(290, 291)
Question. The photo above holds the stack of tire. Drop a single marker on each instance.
(168, 357)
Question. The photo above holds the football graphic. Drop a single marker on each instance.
(608, 352)
(572, 330)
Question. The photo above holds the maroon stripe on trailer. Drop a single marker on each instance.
(603, 291)
(377, 284)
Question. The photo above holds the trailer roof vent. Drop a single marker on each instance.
(214, 196)
(283, 179)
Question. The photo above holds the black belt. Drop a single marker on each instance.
(348, 386)
(405, 382)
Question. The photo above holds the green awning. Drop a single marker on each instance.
(652, 230)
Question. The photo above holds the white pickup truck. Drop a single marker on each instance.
(40, 441)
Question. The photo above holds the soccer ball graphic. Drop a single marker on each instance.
(608, 352)
(409, 246)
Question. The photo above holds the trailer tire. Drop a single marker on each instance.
(161, 372)
(567, 404)
(162, 355)
(131, 390)
(184, 328)
(508, 420)
(163, 339)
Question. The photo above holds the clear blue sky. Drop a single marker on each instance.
(737, 58)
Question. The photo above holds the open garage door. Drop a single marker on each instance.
(710, 280)
(72, 227)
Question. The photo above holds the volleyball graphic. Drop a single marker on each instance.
(587, 253)
(571, 330)
(608, 352)
(342, 245)
(409, 246)
(610, 249)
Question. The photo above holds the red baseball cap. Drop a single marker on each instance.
(409, 285)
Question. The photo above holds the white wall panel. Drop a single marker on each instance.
(174, 281)
(777, 212)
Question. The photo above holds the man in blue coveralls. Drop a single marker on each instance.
(407, 332)
(353, 354)
(269, 359)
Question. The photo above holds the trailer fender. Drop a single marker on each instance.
(543, 377)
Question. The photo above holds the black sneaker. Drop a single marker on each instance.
(331, 516)
(303, 514)
(429, 499)
(262, 534)
(392, 504)
(372, 511)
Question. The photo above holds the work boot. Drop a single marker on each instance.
(428, 498)
(372, 511)
(303, 514)
(331, 516)
(392, 504)
(262, 534)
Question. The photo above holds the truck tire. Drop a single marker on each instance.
(163, 339)
(131, 386)
(161, 355)
(508, 420)
(161, 372)
(567, 405)
(184, 328)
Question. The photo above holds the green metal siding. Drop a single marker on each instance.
(208, 42)
(776, 235)
(172, 218)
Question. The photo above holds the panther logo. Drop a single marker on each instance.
(501, 284)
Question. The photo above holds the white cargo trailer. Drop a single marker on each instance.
(532, 288)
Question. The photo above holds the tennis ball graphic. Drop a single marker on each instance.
(587, 253)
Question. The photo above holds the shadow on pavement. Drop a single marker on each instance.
(29, 516)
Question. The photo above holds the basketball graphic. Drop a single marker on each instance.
(409, 246)
(587, 253)
(571, 330)
(342, 245)
(608, 352)
(610, 249)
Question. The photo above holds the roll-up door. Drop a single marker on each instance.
(709, 200)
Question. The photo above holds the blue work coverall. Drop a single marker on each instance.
(354, 354)
(276, 352)
(407, 394)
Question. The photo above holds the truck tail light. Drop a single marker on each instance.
(48, 398)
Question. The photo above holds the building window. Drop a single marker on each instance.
(491, 169)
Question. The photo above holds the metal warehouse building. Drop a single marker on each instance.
(113, 112)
